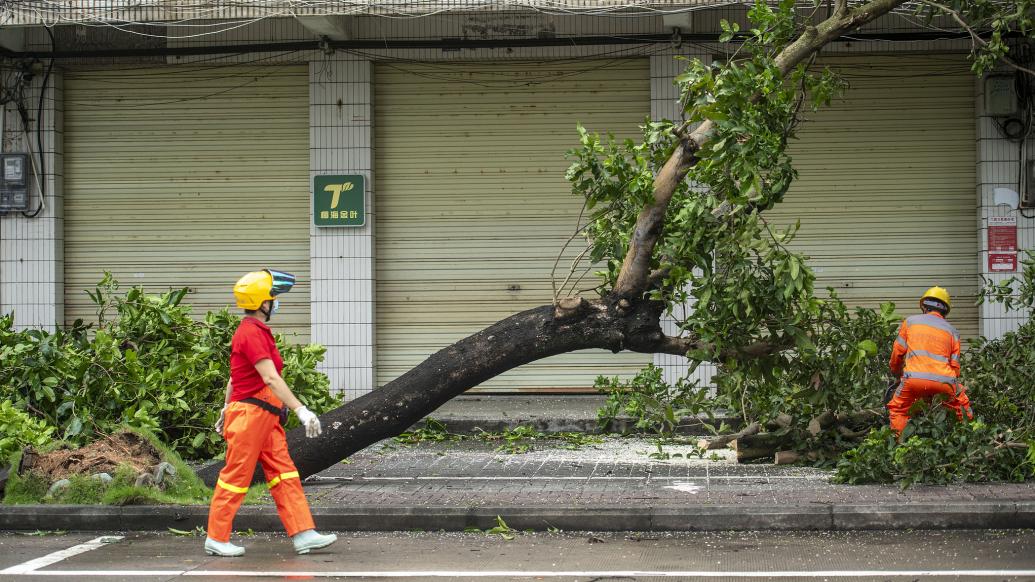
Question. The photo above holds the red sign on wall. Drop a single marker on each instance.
(1002, 234)
(1002, 262)
(1002, 244)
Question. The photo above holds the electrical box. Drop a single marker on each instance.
(14, 182)
(1000, 96)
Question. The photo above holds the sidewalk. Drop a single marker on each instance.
(613, 486)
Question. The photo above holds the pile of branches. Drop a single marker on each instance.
(785, 441)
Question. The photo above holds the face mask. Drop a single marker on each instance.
(276, 306)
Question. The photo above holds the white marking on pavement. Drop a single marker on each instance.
(685, 486)
(544, 573)
(53, 558)
(533, 478)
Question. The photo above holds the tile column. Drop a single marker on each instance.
(342, 259)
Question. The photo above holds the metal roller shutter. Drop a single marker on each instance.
(472, 206)
(886, 189)
(187, 176)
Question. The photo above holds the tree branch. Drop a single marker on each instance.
(975, 37)
(634, 276)
(840, 8)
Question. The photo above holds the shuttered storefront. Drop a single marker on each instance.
(472, 206)
(187, 176)
(886, 189)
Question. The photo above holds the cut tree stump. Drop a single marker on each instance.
(759, 446)
(821, 423)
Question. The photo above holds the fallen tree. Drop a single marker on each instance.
(660, 238)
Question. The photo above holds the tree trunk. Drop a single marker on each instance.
(517, 340)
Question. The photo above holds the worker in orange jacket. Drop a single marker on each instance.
(926, 360)
(251, 423)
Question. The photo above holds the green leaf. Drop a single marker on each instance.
(869, 347)
(74, 428)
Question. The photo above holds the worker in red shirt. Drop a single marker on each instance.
(251, 423)
(926, 359)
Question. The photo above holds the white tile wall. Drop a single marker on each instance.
(32, 249)
(997, 160)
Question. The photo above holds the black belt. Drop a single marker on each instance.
(280, 413)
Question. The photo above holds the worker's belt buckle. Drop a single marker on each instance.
(281, 413)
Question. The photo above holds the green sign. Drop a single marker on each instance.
(339, 200)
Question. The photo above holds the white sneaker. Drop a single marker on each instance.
(225, 549)
(309, 540)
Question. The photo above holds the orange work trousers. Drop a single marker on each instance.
(912, 389)
(255, 435)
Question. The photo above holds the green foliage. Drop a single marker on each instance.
(501, 529)
(1000, 378)
(655, 405)
(840, 366)
(997, 20)
(24, 489)
(513, 441)
(936, 448)
(1000, 373)
(18, 430)
(1017, 292)
(432, 431)
(146, 363)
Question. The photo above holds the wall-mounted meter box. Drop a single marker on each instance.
(14, 182)
(1000, 96)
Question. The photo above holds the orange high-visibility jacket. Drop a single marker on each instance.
(928, 348)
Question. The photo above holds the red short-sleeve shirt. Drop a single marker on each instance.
(253, 341)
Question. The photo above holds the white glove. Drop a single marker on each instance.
(222, 417)
(309, 421)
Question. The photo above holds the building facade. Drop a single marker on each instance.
(181, 151)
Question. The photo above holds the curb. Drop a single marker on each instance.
(828, 517)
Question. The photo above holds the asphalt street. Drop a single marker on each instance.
(584, 556)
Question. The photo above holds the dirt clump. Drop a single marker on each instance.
(101, 456)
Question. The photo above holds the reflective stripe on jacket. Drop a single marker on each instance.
(928, 347)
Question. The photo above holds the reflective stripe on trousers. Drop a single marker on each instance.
(255, 436)
(912, 389)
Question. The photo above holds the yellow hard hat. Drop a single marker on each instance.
(938, 293)
(258, 286)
